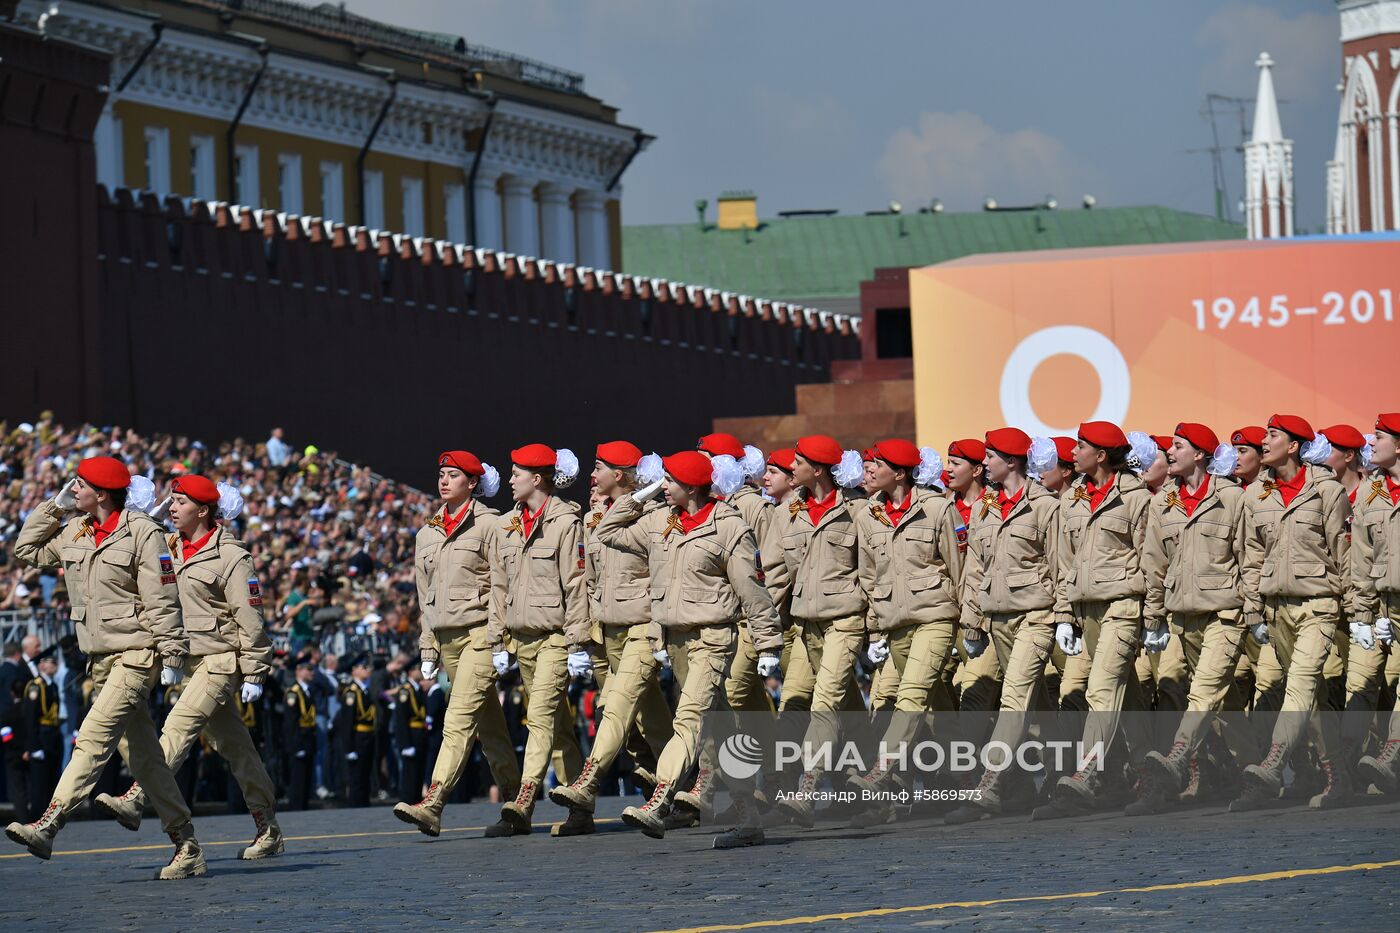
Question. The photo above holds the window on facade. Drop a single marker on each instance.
(289, 183)
(413, 207)
(245, 175)
(332, 191)
(454, 207)
(202, 168)
(374, 200)
(158, 159)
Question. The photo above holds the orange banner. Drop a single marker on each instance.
(1221, 333)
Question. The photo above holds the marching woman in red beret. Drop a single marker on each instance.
(705, 580)
(229, 658)
(1375, 563)
(452, 569)
(539, 601)
(1099, 596)
(1058, 476)
(126, 608)
(1297, 520)
(1248, 442)
(977, 679)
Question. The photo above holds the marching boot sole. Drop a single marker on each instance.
(412, 819)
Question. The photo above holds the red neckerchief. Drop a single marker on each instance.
(1352, 496)
(895, 512)
(1289, 490)
(1392, 487)
(964, 509)
(1008, 503)
(527, 521)
(1189, 499)
(817, 508)
(190, 548)
(450, 521)
(1097, 493)
(691, 521)
(101, 530)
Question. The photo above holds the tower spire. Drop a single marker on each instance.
(1268, 164)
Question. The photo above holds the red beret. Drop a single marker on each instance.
(969, 449)
(689, 467)
(1344, 435)
(463, 460)
(1103, 434)
(896, 452)
(619, 453)
(868, 454)
(1198, 436)
(818, 448)
(1248, 436)
(1293, 425)
(717, 445)
(783, 459)
(1164, 442)
(199, 488)
(1064, 447)
(1389, 423)
(105, 473)
(1011, 441)
(533, 456)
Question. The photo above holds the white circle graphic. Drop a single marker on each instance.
(1115, 383)
(740, 756)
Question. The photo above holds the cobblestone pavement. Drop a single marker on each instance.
(364, 870)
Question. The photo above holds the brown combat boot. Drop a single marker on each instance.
(1151, 795)
(188, 860)
(749, 832)
(1379, 769)
(582, 794)
(426, 814)
(519, 811)
(984, 803)
(800, 803)
(578, 823)
(1339, 790)
(37, 836)
(127, 809)
(650, 817)
(644, 778)
(872, 781)
(267, 841)
(1267, 776)
(699, 800)
(1170, 769)
(1080, 789)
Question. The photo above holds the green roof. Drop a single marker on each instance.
(828, 257)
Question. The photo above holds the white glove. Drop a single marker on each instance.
(580, 664)
(646, 492)
(409, 752)
(1156, 641)
(1363, 636)
(501, 661)
(1384, 633)
(353, 756)
(67, 498)
(663, 657)
(429, 670)
(161, 510)
(1065, 638)
(301, 754)
(1260, 631)
(975, 648)
(37, 755)
(878, 652)
(251, 692)
(769, 665)
(169, 676)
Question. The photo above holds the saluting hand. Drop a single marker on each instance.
(67, 498)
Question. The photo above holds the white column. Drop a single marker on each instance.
(108, 141)
(557, 223)
(593, 248)
(522, 216)
(488, 210)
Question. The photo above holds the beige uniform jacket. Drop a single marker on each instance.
(221, 602)
(537, 582)
(1298, 551)
(1375, 550)
(709, 576)
(755, 509)
(1194, 564)
(123, 593)
(1011, 564)
(618, 577)
(453, 574)
(1100, 550)
(826, 582)
(911, 569)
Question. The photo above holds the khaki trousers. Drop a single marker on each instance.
(473, 712)
(123, 681)
(832, 648)
(700, 658)
(544, 673)
(978, 681)
(1112, 634)
(630, 694)
(799, 680)
(1301, 632)
(920, 654)
(207, 705)
(743, 687)
(1074, 678)
(1023, 643)
(1212, 645)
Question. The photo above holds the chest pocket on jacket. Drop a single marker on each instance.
(1309, 518)
(543, 552)
(118, 555)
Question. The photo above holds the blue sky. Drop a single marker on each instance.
(820, 104)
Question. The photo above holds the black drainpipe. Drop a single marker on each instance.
(638, 142)
(476, 164)
(157, 28)
(230, 149)
(393, 80)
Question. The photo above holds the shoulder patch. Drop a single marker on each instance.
(291, 698)
(961, 532)
(34, 691)
(580, 556)
(759, 575)
(254, 592)
(167, 570)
